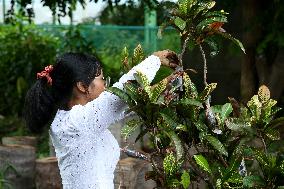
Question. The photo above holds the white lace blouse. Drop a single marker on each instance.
(87, 152)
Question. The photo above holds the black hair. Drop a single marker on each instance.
(42, 100)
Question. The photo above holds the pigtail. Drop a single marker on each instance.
(39, 106)
(54, 87)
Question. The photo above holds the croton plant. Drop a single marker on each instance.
(233, 145)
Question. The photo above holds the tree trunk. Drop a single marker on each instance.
(276, 81)
(20, 140)
(251, 36)
(47, 174)
(22, 158)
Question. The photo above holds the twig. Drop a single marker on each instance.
(204, 63)
(193, 143)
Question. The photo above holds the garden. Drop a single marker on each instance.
(215, 121)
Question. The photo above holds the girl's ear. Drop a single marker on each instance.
(81, 87)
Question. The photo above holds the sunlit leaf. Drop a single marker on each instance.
(158, 89)
(185, 179)
(180, 23)
(207, 91)
(226, 111)
(202, 162)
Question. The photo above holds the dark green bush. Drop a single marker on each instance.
(24, 50)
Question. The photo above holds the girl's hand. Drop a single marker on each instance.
(168, 58)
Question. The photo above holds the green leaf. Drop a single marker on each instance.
(253, 181)
(143, 81)
(214, 46)
(226, 110)
(180, 23)
(190, 88)
(124, 59)
(207, 91)
(272, 134)
(261, 157)
(131, 91)
(138, 55)
(130, 127)
(276, 122)
(229, 173)
(236, 178)
(234, 40)
(170, 165)
(158, 89)
(201, 126)
(207, 21)
(274, 110)
(187, 101)
(207, 5)
(183, 6)
(216, 13)
(236, 124)
(216, 144)
(124, 53)
(120, 93)
(169, 120)
(185, 180)
(178, 144)
(181, 127)
(202, 162)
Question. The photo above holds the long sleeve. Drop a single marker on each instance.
(108, 108)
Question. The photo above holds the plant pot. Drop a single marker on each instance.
(22, 158)
(130, 174)
(20, 140)
(47, 174)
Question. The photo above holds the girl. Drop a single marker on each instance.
(87, 152)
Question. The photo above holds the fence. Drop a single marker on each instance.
(117, 37)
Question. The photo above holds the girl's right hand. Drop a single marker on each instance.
(168, 58)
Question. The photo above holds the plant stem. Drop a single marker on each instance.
(205, 65)
(264, 145)
(183, 50)
(223, 161)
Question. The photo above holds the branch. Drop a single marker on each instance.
(263, 142)
(183, 50)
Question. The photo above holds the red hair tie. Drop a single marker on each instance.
(45, 73)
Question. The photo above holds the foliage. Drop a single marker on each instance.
(24, 50)
(199, 24)
(226, 146)
(134, 12)
(61, 8)
(176, 121)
